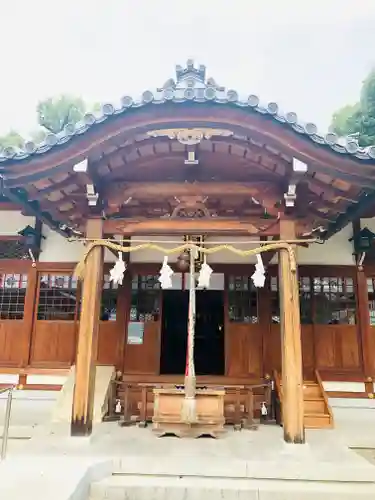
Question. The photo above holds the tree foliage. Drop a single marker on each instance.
(11, 139)
(56, 112)
(358, 118)
(52, 114)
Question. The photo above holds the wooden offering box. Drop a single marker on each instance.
(168, 404)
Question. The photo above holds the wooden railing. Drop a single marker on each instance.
(243, 396)
(325, 397)
(279, 396)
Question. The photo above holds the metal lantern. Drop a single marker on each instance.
(363, 240)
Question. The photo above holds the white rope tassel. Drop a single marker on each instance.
(259, 276)
(116, 274)
(204, 275)
(166, 274)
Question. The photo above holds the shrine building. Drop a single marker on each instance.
(190, 161)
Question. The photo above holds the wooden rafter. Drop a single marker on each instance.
(33, 209)
(55, 186)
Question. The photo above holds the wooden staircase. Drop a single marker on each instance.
(317, 412)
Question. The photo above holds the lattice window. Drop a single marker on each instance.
(58, 297)
(305, 297)
(108, 310)
(145, 305)
(335, 301)
(13, 249)
(12, 295)
(242, 300)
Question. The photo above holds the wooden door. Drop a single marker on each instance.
(55, 320)
(142, 348)
(243, 350)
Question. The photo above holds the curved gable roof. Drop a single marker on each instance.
(190, 86)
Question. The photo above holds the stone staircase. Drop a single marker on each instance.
(148, 487)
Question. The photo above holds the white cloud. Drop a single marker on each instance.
(309, 56)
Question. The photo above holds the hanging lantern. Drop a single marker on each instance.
(363, 240)
(116, 274)
(259, 276)
(166, 274)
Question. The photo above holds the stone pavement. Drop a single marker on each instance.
(251, 464)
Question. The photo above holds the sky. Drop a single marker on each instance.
(309, 56)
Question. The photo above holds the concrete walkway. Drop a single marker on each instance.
(118, 459)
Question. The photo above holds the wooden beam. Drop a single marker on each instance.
(83, 399)
(9, 206)
(124, 190)
(364, 202)
(330, 190)
(363, 313)
(189, 226)
(292, 381)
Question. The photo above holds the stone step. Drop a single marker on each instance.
(128, 487)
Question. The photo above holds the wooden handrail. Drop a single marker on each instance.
(279, 391)
(326, 403)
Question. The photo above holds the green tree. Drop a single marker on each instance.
(12, 139)
(53, 114)
(347, 120)
(358, 118)
(56, 112)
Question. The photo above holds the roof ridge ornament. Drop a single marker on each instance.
(190, 71)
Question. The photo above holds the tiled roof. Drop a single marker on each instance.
(191, 86)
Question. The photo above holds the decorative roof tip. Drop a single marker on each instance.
(190, 71)
(191, 85)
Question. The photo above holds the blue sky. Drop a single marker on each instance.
(310, 57)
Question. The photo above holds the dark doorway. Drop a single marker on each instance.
(209, 332)
(174, 332)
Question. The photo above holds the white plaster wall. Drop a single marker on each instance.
(13, 221)
(337, 251)
(149, 255)
(227, 257)
(56, 248)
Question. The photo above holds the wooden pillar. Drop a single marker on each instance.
(292, 381)
(363, 313)
(29, 314)
(363, 320)
(83, 399)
